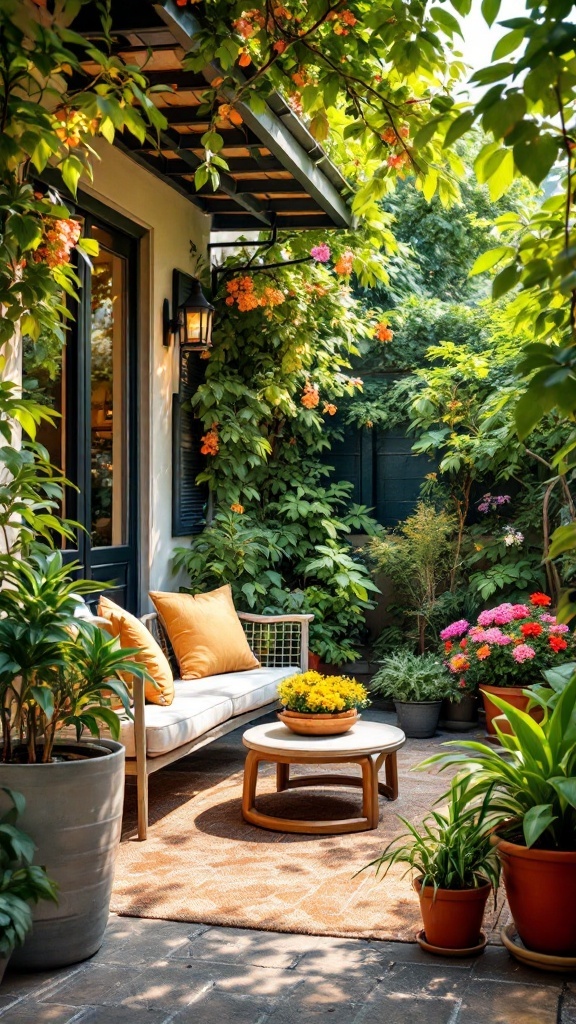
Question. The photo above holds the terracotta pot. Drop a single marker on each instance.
(313, 661)
(512, 695)
(307, 724)
(452, 918)
(541, 890)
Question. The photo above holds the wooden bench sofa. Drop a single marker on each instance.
(205, 709)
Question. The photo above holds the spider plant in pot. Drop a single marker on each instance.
(21, 881)
(57, 671)
(455, 866)
(417, 683)
(532, 782)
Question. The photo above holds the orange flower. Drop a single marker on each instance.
(210, 444)
(280, 45)
(459, 663)
(236, 507)
(235, 118)
(389, 136)
(483, 652)
(348, 18)
(205, 354)
(244, 59)
(397, 160)
(330, 408)
(383, 332)
(224, 110)
(310, 396)
(369, 424)
(343, 264)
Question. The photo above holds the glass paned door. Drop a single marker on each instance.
(95, 440)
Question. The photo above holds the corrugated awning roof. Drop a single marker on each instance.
(277, 171)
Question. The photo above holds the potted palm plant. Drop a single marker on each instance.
(456, 869)
(532, 782)
(21, 881)
(506, 650)
(57, 671)
(417, 683)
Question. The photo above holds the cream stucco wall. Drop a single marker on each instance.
(170, 222)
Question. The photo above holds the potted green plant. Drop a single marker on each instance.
(57, 671)
(314, 704)
(21, 881)
(506, 650)
(455, 868)
(532, 786)
(417, 683)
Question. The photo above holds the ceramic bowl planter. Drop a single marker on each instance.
(306, 724)
(74, 815)
(541, 891)
(418, 720)
(513, 695)
(452, 918)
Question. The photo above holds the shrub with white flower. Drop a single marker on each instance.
(510, 645)
(512, 537)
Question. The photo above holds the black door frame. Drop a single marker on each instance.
(94, 561)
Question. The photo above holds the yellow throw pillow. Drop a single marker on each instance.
(205, 632)
(133, 633)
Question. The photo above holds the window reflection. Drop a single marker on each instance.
(107, 391)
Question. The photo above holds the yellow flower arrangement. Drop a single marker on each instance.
(314, 693)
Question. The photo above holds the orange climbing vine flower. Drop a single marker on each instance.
(344, 262)
(383, 332)
(237, 507)
(210, 445)
(310, 396)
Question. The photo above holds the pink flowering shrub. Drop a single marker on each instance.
(509, 645)
(320, 253)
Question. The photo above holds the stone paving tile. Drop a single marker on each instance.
(94, 984)
(386, 1007)
(500, 1002)
(230, 945)
(28, 1012)
(123, 1015)
(217, 1007)
(150, 940)
(323, 1013)
(568, 1007)
(352, 985)
(497, 964)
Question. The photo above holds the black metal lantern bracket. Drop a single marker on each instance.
(184, 288)
(266, 243)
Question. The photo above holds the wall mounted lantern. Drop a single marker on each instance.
(192, 314)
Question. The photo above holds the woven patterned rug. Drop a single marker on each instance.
(203, 863)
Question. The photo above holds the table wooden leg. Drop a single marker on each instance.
(250, 780)
(392, 776)
(370, 807)
(282, 777)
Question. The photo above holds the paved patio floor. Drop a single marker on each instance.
(159, 972)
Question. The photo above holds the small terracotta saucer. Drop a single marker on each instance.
(441, 951)
(541, 961)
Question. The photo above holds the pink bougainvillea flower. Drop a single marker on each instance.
(520, 611)
(486, 618)
(558, 627)
(523, 653)
(454, 629)
(320, 253)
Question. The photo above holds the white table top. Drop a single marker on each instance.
(362, 738)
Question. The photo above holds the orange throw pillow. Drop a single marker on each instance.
(205, 632)
(133, 633)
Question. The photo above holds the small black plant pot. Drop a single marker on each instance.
(459, 716)
(418, 720)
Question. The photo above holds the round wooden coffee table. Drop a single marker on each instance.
(368, 744)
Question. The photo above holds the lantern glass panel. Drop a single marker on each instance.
(194, 326)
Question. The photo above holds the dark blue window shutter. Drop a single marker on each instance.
(188, 498)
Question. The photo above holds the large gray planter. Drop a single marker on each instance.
(74, 815)
(420, 720)
(459, 716)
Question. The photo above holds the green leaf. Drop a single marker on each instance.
(536, 157)
(536, 821)
(563, 540)
(459, 127)
(71, 170)
(26, 230)
(508, 43)
(505, 280)
(489, 259)
(490, 10)
(566, 788)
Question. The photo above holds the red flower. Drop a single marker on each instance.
(557, 643)
(483, 652)
(540, 599)
(464, 644)
(448, 645)
(531, 629)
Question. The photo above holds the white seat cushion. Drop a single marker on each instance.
(187, 718)
(247, 690)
